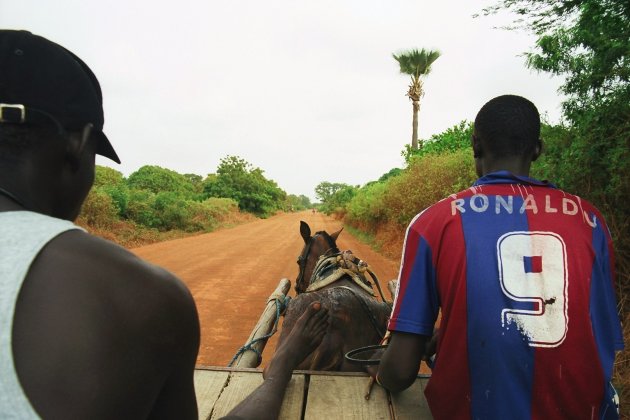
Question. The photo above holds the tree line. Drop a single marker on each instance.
(159, 198)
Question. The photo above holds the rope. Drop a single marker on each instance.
(378, 285)
(336, 275)
(281, 302)
(347, 264)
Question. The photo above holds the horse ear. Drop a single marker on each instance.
(336, 234)
(305, 231)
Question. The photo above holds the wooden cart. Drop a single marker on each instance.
(310, 394)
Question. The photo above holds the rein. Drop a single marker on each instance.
(346, 265)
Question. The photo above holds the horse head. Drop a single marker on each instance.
(322, 243)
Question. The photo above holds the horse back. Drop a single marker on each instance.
(356, 320)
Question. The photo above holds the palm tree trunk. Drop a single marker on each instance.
(414, 135)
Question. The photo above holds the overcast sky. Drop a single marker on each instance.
(306, 90)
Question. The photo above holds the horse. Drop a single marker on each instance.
(338, 280)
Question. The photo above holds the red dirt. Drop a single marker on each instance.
(232, 272)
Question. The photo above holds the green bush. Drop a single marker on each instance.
(220, 207)
(239, 180)
(334, 196)
(105, 177)
(395, 201)
(444, 165)
(161, 199)
(98, 209)
(140, 208)
(208, 214)
(297, 203)
(452, 139)
(427, 180)
(367, 208)
(157, 179)
(120, 197)
(171, 211)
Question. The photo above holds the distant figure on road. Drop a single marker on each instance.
(523, 275)
(87, 329)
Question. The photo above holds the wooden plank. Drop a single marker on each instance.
(241, 384)
(249, 358)
(259, 370)
(331, 394)
(410, 403)
(208, 386)
(342, 397)
(293, 399)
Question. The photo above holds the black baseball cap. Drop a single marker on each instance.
(41, 80)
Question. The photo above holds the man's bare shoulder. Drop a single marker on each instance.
(103, 262)
(98, 272)
(88, 303)
(100, 251)
(113, 292)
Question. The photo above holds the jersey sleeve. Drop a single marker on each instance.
(416, 305)
(603, 305)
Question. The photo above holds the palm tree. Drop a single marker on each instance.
(416, 64)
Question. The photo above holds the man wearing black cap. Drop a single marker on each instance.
(87, 330)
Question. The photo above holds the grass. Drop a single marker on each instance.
(131, 235)
(365, 237)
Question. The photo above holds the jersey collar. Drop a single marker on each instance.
(506, 177)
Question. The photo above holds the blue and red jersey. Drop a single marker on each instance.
(523, 275)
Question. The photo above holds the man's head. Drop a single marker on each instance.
(42, 83)
(507, 130)
(51, 121)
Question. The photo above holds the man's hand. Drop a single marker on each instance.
(372, 370)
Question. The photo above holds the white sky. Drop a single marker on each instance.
(306, 90)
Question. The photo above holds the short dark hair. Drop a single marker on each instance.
(508, 125)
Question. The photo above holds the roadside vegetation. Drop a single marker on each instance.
(155, 203)
(587, 42)
(383, 208)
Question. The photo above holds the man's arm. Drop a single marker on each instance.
(416, 304)
(98, 333)
(176, 399)
(401, 361)
(265, 401)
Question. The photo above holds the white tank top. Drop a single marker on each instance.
(22, 236)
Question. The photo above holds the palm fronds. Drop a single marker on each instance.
(416, 62)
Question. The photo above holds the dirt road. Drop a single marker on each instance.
(232, 272)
